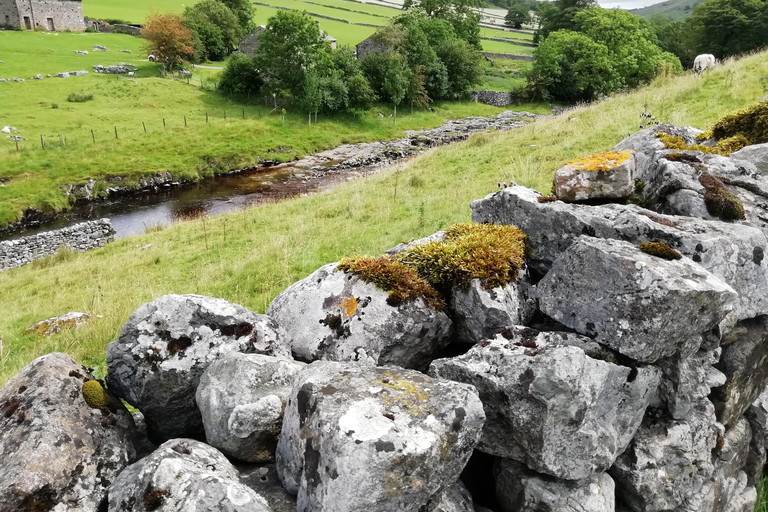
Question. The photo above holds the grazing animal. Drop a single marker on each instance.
(703, 61)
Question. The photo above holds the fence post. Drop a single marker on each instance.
(185, 120)
(93, 136)
(206, 118)
(145, 126)
(42, 142)
(225, 114)
(115, 131)
(17, 144)
(243, 113)
(163, 123)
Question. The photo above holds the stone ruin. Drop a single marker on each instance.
(621, 367)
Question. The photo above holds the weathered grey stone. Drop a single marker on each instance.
(266, 482)
(456, 498)
(356, 437)
(337, 316)
(646, 141)
(518, 489)
(632, 301)
(402, 247)
(729, 486)
(578, 181)
(757, 414)
(571, 415)
(744, 363)
(60, 454)
(756, 154)
(687, 381)
(668, 463)
(479, 313)
(166, 345)
(54, 325)
(183, 474)
(241, 398)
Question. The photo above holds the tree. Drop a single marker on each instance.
(287, 47)
(216, 28)
(458, 13)
(244, 11)
(167, 39)
(240, 76)
(729, 27)
(571, 67)
(518, 13)
(387, 72)
(417, 93)
(463, 65)
(558, 15)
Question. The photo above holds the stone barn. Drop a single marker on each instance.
(370, 45)
(43, 14)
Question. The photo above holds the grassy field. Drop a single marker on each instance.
(133, 11)
(675, 9)
(504, 74)
(250, 256)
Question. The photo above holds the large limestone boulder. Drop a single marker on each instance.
(518, 489)
(455, 498)
(360, 438)
(480, 313)
(241, 398)
(756, 154)
(745, 364)
(266, 482)
(600, 176)
(166, 345)
(61, 448)
(757, 415)
(571, 414)
(669, 462)
(631, 301)
(337, 316)
(687, 381)
(183, 474)
(732, 251)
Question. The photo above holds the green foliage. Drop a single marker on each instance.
(95, 395)
(402, 282)
(558, 15)
(388, 75)
(751, 122)
(458, 13)
(493, 253)
(661, 250)
(463, 65)
(571, 67)
(729, 27)
(80, 97)
(244, 11)
(240, 75)
(723, 204)
(216, 30)
(518, 14)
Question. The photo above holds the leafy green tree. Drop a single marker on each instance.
(389, 75)
(729, 27)
(558, 15)
(240, 76)
(216, 28)
(311, 98)
(417, 93)
(518, 14)
(458, 13)
(572, 67)
(361, 94)
(463, 65)
(244, 11)
(288, 46)
(414, 45)
(676, 38)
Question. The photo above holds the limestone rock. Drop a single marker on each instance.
(479, 313)
(687, 381)
(402, 247)
(455, 498)
(337, 316)
(757, 415)
(54, 325)
(756, 154)
(571, 415)
(265, 481)
(241, 398)
(632, 301)
(647, 141)
(166, 345)
(183, 474)
(745, 365)
(734, 252)
(601, 176)
(668, 462)
(59, 453)
(359, 438)
(518, 489)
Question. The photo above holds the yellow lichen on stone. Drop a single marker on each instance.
(600, 161)
(723, 147)
(349, 305)
(95, 395)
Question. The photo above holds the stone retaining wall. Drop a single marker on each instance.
(80, 237)
(495, 98)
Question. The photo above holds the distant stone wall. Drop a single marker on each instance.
(495, 98)
(80, 237)
(508, 56)
(65, 14)
(103, 26)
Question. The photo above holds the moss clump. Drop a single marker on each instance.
(750, 122)
(490, 252)
(95, 395)
(723, 204)
(402, 282)
(660, 249)
(724, 147)
(600, 161)
(682, 157)
(547, 199)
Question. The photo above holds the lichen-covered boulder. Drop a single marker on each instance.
(599, 176)
(631, 301)
(745, 364)
(669, 462)
(183, 474)
(732, 251)
(59, 452)
(166, 345)
(518, 489)
(404, 246)
(571, 414)
(337, 316)
(54, 325)
(241, 398)
(687, 381)
(480, 313)
(359, 438)
(266, 482)
(455, 498)
(756, 154)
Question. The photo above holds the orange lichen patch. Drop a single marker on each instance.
(349, 305)
(601, 161)
(547, 199)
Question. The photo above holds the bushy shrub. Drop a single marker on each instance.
(79, 97)
(240, 75)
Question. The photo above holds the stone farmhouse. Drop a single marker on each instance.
(250, 43)
(370, 45)
(43, 14)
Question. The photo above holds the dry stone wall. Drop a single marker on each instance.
(80, 237)
(495, 98)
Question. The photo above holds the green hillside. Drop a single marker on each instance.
(675, 9)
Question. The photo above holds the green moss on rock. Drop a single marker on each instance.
(660, 250)
(750, 122)
(723, 204)
(724, 147)
(95, 395)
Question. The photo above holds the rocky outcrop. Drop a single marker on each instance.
(601, 176)
(337, 316)
(64, 438)
(166, 345)
(396, 437)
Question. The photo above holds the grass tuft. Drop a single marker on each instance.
(80, 97)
